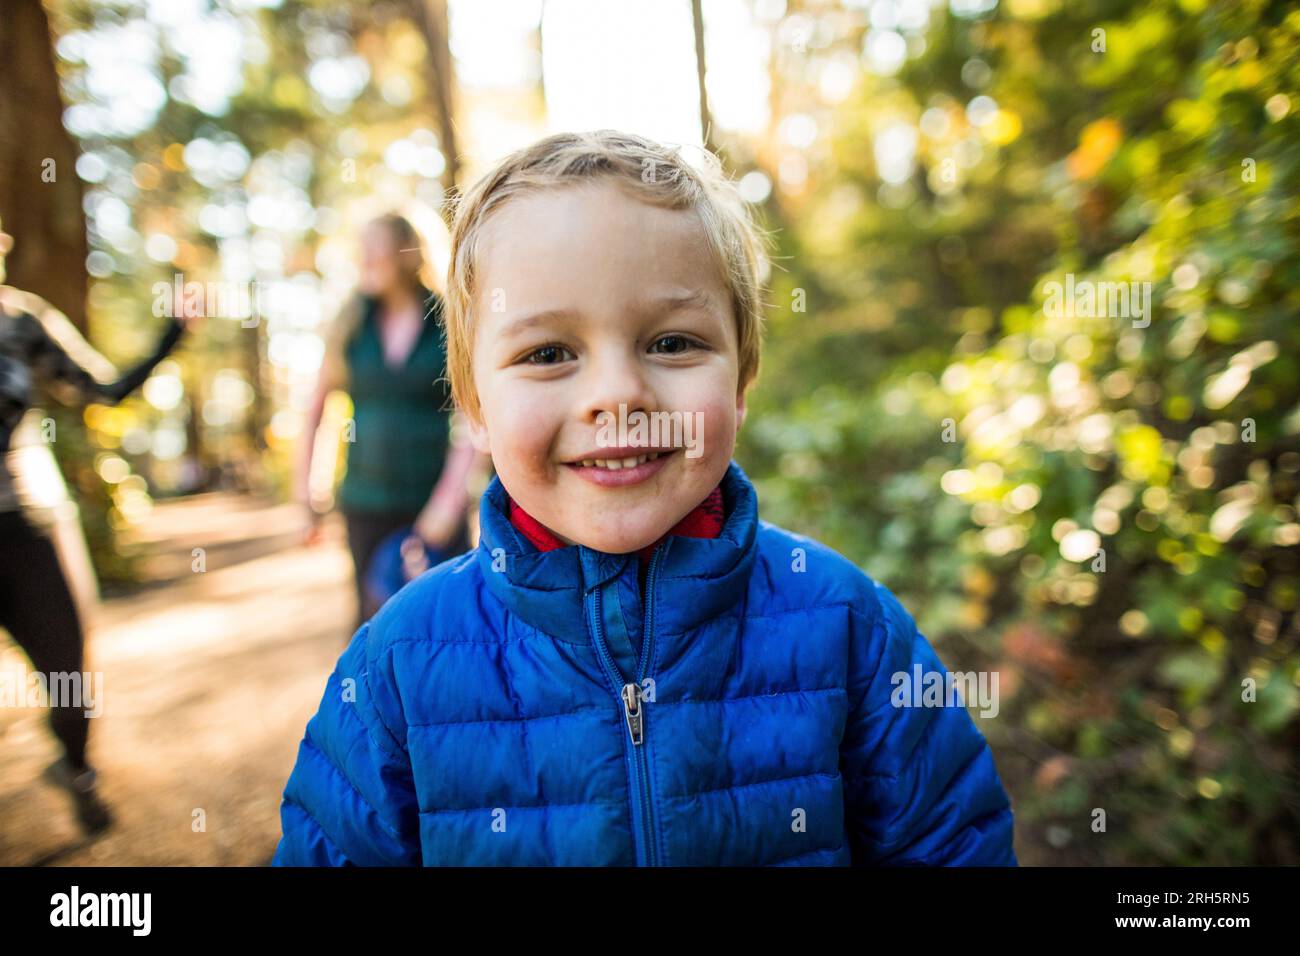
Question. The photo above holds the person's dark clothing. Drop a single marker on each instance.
(401, 418)
(39, 347)
(399, 437)
(38, 611)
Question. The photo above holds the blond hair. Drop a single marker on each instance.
(655, 174)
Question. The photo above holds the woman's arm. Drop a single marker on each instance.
(444, 513)
(307, 444)
(333, 376)
(59, 354)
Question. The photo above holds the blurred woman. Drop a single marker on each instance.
(385, 349)
(40, 347)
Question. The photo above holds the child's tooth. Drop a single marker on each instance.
(587, 463)
(613, 464)
(653, 455)
(629, 462)
(641, 459)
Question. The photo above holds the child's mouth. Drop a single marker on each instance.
(631, 467)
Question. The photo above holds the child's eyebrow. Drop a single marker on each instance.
(656, 305)
(533, 319)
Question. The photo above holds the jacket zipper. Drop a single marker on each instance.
(631, 697)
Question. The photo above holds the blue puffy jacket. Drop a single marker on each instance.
(480, 717)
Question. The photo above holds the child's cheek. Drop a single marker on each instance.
(715, 423)
(530, 433)
(719, 429)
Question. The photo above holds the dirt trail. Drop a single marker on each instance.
(209, 680)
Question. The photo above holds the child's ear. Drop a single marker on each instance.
(478, 434)
(740, 409)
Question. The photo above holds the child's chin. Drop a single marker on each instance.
(618, 542)
(618, 545)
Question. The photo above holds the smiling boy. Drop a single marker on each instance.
(632, 668)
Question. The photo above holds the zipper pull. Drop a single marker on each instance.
(632, 710)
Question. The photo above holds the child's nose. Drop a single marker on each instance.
(615, 381)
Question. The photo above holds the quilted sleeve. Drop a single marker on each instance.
(350, 800)
(920, 785)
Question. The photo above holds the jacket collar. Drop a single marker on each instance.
(696, 579)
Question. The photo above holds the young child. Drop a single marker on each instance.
(632, 668)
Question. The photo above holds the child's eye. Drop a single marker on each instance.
(547, 355)
(672, 344)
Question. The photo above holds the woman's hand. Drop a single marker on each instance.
(312, 532)
(445, 513)
(437, 525)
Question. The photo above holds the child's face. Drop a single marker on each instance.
(589, 299)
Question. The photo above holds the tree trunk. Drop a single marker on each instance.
(431, 16)
(706, 120)
(40, 195)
